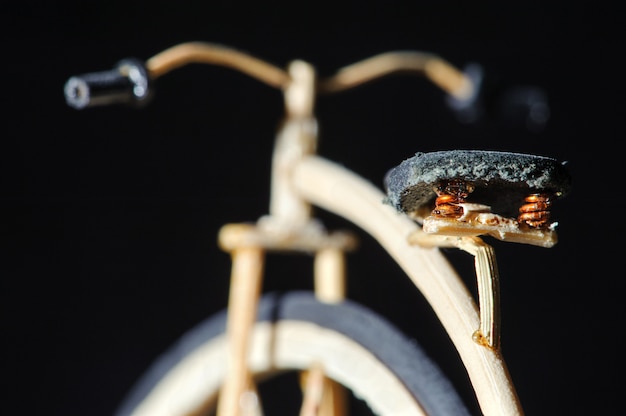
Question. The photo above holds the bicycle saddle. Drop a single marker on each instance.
(489, 191)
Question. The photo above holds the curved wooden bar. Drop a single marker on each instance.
(338, 190)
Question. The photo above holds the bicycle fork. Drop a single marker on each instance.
(248, 245)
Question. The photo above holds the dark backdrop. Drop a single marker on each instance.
(109, 217)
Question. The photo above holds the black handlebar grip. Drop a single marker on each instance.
(127, 83)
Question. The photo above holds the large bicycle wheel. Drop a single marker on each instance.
(294, 331)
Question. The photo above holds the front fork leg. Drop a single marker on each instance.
(321, 395)
(238, 395)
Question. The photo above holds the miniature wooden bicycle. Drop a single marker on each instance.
(440, 199)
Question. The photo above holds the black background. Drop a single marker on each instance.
(109, 216)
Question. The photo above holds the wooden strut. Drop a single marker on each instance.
(487, 279)
(321, 396)
(245, 285)
(488, 289)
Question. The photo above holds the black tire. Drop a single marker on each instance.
(417, 378)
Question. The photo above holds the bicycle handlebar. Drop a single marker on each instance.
(128, 82)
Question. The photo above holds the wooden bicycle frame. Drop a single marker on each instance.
(299, 179)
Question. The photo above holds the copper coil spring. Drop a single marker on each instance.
(536, 212)
(449, 196)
